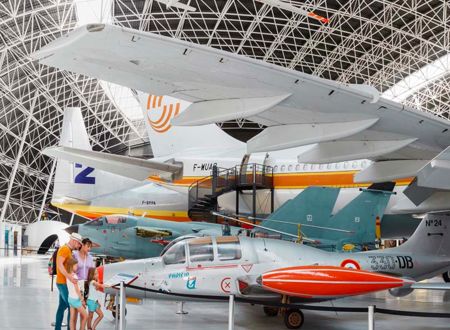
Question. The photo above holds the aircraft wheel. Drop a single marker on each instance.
(293, 318)
(446, 277)
(270, 311)
(113, 312)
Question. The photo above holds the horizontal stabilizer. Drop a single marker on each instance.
(134, 168)
(389, 170)
(289, 136)
(338, 151)
(417, 194)
(439, 201)
(436, 174)
(210, 112)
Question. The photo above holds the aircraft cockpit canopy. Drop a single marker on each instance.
(228, 248)
(115, 219)
(176, 254)
(204, 249)
(96, 222)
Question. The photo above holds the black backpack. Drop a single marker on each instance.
(52, 263)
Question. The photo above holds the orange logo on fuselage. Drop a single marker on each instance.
(162, 113)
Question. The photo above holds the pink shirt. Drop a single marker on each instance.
(83, 265)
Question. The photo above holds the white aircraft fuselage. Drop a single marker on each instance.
(213, 267)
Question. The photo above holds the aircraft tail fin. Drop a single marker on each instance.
(166, 139)
(432, 236)
(75, 182)
(309, 207)
(360, 217)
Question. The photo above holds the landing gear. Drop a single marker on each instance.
(271, 311)
(446, 276)
(113, 312)
(111, 306)
(293, 318)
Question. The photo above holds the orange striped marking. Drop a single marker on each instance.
(298, 180)
(161, 124)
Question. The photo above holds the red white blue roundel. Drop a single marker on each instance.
(350, 263)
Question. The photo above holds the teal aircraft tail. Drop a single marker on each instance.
(312, 206)
(354, 224)
(360, 218)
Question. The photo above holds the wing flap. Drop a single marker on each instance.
(289, 136)
(134, 168)
(206, 112)
(389, 170)
(338, 151)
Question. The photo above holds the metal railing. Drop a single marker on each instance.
(223, 180)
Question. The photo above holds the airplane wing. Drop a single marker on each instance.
(345, 121)
(138, 169)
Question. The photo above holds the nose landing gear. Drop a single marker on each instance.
(293, 317)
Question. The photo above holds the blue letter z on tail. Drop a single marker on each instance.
(83, 177)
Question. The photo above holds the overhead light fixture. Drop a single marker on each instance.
(289, 7)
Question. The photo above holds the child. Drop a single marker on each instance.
(75, 298)
(92, 285)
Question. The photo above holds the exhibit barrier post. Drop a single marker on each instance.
(123, 301)
(231, 313)
(371, 317)
(116, 325)
(180, 310)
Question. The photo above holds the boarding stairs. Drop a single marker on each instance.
(204, 193)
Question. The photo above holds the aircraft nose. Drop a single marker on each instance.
(100, 272)
(72, 229)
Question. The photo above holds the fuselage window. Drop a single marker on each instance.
(175, 255)
(297, 168)
(275, 168)
(290, 168)
(201, 250)
(228, 248)
(329, 166)
(305, 167)
(283, 168)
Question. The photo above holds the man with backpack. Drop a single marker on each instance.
(64, 254)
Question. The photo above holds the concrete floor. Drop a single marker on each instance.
(26, 302)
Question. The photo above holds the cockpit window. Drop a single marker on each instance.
(175, 255)
(96, 222)
(228, 248)
(114, 220)
(201, 249)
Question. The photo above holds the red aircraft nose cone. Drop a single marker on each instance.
(326, 281)
(100, 271)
